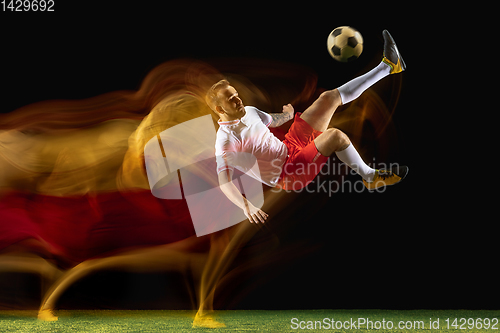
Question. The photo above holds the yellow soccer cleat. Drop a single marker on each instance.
(387, 177)
(392, 57)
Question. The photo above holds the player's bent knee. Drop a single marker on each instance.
(334, 133)
(338, 139)
(331, 96)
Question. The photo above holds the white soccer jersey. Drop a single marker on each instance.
(242, 142)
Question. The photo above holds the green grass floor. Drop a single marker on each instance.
(249, 321)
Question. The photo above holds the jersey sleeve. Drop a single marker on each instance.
(264, 117)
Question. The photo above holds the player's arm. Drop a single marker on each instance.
(254, 214)
(281, 118)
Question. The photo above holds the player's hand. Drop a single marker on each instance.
(254, 214)
(288, 109)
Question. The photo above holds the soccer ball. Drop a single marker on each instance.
(345, 44)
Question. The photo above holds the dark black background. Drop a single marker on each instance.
(426, 243)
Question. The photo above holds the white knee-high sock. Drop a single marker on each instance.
(354, 88)
(350, 156)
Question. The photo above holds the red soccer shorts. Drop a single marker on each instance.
(304, 161)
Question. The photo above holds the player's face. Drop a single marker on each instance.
(230, 103)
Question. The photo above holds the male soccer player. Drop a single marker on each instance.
(294, 162)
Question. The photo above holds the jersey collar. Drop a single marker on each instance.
(229, 123)
(243, 120)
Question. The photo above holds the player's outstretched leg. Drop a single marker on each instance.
(391, 63)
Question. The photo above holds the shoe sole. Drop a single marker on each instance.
(403, 64)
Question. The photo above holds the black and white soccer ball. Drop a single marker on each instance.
(345, 44)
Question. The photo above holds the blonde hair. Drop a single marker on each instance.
(212, 98)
